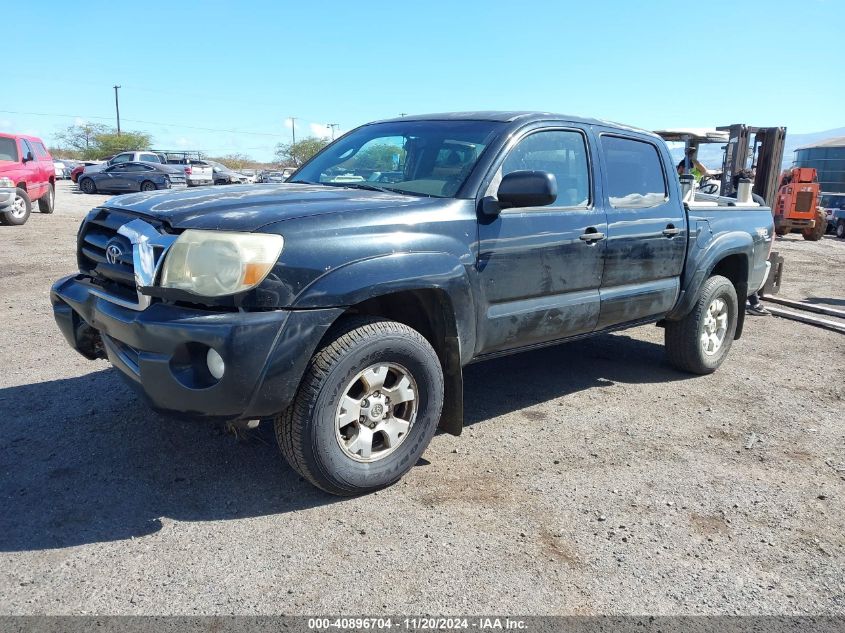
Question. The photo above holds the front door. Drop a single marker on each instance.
(646, 231)
(114, 178)
(540, 268)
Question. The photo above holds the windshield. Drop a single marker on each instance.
(8, 149)
(430, 158)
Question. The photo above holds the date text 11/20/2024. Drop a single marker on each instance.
(418, 623)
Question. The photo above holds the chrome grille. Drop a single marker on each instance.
(109, 245)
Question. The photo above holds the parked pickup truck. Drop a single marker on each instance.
(197, 171)
(25, 161)
(345, 312)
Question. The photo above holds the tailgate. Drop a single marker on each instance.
(202, 172)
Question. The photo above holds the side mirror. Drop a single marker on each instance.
(526, 189)
(28, 157)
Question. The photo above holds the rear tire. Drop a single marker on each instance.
(47, 202)
(817, 232)
(700, 341)
(20, 212)
(840, 229)
(325, 434)
(87, 185)
(148, 186)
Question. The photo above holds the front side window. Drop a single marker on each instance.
(26, 148)
(562, 153)
(428, 158)
(121, 158)
(8, 149)
(40, 151)
(635, 178)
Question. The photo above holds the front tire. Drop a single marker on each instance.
(817, 232)
(840, 229)
(700, 341)
(20, 211)
(47, 202)
(366, 409)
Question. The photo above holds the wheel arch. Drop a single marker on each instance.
(728, 255)
(429, 292)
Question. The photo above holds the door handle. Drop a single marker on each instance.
(671, 231)
(591, 236)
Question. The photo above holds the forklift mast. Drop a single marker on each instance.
(766, 156)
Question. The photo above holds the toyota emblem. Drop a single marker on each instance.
(113, 254)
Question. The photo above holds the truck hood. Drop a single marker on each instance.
(249, 207)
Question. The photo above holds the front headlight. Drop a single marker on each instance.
(217, 263)
(7, 182)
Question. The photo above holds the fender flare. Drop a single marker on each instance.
(733, 243)
(375, 277)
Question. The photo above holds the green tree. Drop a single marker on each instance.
(294, 154)
(236, 161)
(94, 140)
(381, 157)
(82, 137)
(112, 143)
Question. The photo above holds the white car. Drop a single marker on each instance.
(59, 169)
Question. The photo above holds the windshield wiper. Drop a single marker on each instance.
(368, 187)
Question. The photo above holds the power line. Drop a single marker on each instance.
(179, 125)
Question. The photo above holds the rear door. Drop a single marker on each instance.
(45, 161)
(539, 276)
(133, 174)
(646, 230)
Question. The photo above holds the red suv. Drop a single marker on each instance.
(26, 166)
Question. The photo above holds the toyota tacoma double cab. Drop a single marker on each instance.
(345, 310)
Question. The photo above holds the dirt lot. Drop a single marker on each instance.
(591, 478)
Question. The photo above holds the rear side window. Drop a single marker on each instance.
(8, 149)
(150, 158)
(635, 177)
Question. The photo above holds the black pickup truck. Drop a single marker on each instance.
(345, 303)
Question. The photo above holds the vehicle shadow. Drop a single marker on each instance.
(85, 461)
(825, 301)
(510, 383)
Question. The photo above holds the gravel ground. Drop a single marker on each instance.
(591, 478)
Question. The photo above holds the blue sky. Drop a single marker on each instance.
(223, 76)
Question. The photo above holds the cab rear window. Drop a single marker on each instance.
(8, 149)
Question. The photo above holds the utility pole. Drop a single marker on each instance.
(117, 108)
(332, 127)
(293, 129)
(403, 113)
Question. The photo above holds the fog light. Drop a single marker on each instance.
(215, 363)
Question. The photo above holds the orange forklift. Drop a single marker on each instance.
(797, 204)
